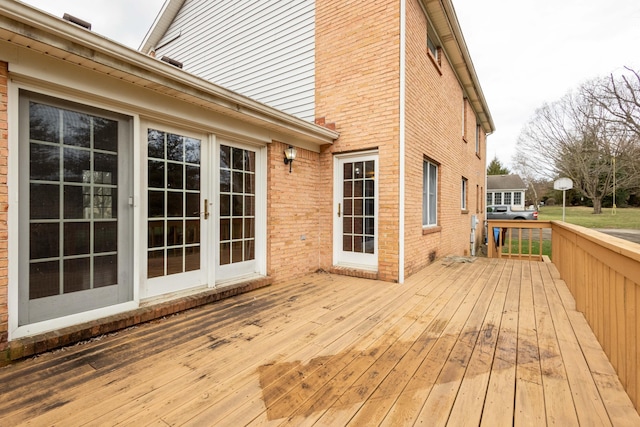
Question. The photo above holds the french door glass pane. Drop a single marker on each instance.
(73, 225)
(358, 201)
(173, 235)
(237, 205)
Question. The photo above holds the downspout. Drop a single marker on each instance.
(401, 190)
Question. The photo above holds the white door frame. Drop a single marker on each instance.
(231, 273)
(361, 261)
(154, 287)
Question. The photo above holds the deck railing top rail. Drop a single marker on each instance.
(612, 243)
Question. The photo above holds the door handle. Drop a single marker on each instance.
(338, 210)
(206, 209)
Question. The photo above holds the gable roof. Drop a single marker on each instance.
(444, 20)
(27, 27)
(505, 182)
(163, 21)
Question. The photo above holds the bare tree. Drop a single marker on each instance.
(620, 97)
(537, 184)
(576, 137)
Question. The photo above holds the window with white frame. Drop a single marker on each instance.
(497, 198)
(489, 198)
(477, 139)
(517, 198)
(463, 194)
(507, 197)
(429, 194)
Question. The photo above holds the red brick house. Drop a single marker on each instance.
(132, 188)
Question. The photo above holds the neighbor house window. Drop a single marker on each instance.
(489, 198)
(463, 194)
(497, 198)
(517, 198)
(429, 193)
(507, 198)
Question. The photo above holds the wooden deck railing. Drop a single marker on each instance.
(603, 274)
(601, 271)
(518, 239)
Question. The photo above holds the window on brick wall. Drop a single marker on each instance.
(463, 194)
(432, 47)
(478, 139)
(464, 118)
(429, 194)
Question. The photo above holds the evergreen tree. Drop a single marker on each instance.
(496, 168)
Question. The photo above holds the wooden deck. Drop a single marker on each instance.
(493, 342)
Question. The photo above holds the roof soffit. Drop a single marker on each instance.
(445, 23)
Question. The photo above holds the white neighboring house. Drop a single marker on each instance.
(505, 190)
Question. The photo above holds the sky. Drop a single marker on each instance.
(525, 52)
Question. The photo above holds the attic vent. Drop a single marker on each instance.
(77, 21)
(171, 61)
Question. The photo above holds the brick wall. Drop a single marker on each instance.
(357, 87)
(434, 129)
(293, 227)
(4, 153)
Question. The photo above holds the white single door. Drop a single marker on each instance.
(240, 197)
(356, 211)
(177, 210)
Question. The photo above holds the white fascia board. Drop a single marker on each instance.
(163, 21)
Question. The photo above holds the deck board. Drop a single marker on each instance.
(493, 342)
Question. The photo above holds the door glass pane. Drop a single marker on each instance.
(106, 271)
(358, 202)
(237, 205)
(73, 225)
(173, 204)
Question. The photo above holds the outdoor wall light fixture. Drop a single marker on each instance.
(289, 156)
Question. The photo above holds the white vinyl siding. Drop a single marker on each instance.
(263, 50)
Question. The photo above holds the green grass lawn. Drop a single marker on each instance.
(579, 215)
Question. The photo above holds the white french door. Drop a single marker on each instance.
(356, 211)
(240, 211)
(178, 207)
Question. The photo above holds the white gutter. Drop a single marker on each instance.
(401, 190)
(93, 47)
